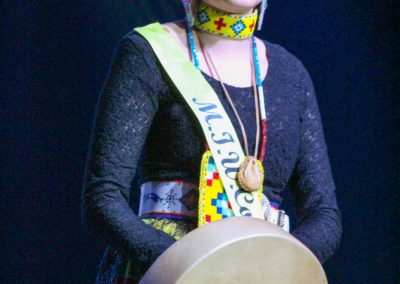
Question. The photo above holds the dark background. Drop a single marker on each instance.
(54, 58)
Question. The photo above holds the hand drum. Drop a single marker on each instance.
(237, 250)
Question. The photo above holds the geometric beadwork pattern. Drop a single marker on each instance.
(238, 27)
(222, 205)
(212, 20)
(202, 17)
(213, 201)
(171, 199)
(189, 200)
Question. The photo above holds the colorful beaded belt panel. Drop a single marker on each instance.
(208, 202)
(168, 199)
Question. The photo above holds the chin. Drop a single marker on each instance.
(234, 6)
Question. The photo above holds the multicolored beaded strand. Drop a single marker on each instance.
(192, 45)
(261, 100)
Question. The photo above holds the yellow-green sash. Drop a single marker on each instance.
(217, 127)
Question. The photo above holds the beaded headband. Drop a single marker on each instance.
(187, 4)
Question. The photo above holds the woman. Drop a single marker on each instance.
(145, 132)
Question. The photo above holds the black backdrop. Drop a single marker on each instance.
(54, 57)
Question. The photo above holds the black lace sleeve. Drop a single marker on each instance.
(125, 109)
(312, 185)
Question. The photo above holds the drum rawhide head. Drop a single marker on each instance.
(237, 250)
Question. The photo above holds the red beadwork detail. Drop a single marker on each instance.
(264, 126)
(220, 23)
(215, 175)
(208, 218)
(251, 27)
(209, 182)
(263, 145)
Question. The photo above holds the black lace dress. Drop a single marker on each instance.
(143, 130)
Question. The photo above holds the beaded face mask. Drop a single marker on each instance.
(190, 17)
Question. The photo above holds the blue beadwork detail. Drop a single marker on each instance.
(256, 62)
(238, 27)
(221, 202)
(152, 196)
(203, 17)
(274, 204)
(211, 167)
(192, 45)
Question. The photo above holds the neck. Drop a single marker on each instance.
(227, 45)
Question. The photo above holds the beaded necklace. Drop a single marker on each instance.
(251, 169)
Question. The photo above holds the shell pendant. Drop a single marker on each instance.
(250, 175)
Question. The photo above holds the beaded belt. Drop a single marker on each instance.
(169, 199)
(178, 200)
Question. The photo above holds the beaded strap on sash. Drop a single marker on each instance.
(214, 204)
